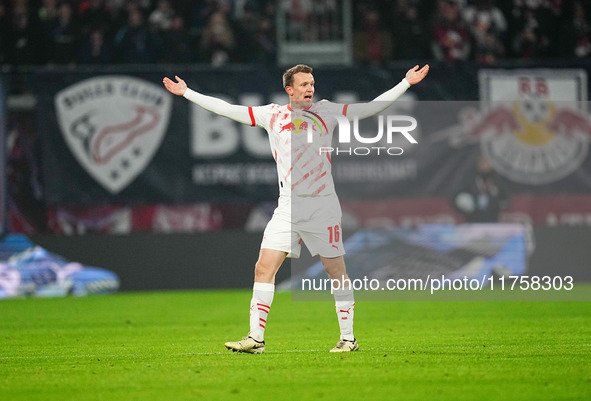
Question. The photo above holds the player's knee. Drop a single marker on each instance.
(334, 269)
(262, 269)
(332, 272)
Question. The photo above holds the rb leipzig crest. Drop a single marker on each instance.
(535, 128)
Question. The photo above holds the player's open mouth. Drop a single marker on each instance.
(308, 98)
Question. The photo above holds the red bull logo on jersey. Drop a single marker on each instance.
(531, 140)
(299, 125)
(287, 127)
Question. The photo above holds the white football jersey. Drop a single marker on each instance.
(302, 168)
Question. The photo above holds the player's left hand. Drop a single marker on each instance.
(414, 75)
(177, 88)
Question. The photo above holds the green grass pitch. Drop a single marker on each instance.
(169, 346)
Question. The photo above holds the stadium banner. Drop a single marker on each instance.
(124, 141)
(557, 85)
(27, 269)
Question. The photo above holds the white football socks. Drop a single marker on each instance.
(260, 304)
(345, 306)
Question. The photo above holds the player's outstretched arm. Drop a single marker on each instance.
(382, 102)
(213, 104)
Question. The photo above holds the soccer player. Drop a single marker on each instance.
(308, 208)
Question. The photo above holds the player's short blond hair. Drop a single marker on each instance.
(288, 75)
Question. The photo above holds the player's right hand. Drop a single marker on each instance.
(177, 88)
(414, 75)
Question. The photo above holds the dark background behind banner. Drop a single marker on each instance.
(440, 169)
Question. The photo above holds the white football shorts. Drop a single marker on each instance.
(314, 220)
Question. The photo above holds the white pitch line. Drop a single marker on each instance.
(288, 351)
(176, 354)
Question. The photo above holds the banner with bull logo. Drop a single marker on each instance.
(540, 135)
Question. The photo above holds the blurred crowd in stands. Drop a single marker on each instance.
(48, 32)
(482, 30)
(136, 31)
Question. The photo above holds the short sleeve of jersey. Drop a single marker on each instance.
(260, 116)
